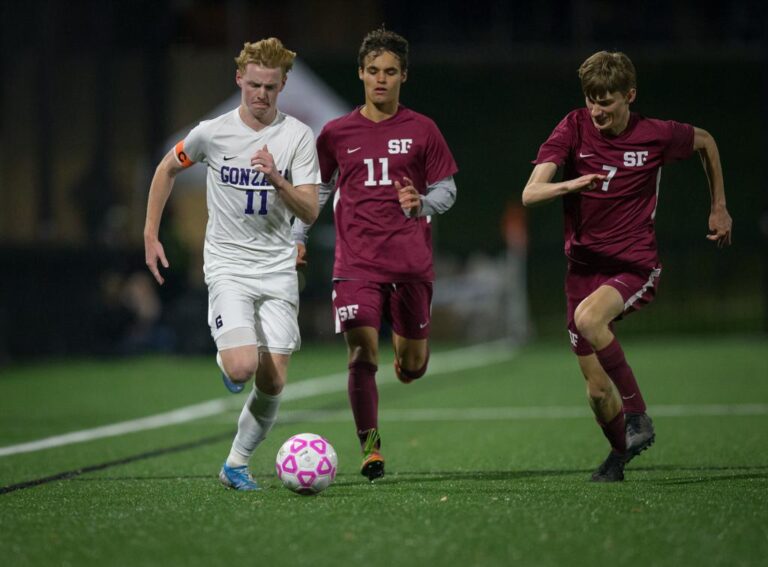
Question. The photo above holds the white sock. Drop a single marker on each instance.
(257, 418)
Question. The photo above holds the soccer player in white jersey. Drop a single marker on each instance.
(262, 171)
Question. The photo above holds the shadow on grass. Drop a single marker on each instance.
(685, 475)
(699, 475)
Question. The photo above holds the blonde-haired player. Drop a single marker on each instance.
(262, 172)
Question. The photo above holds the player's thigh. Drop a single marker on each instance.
(276, 313)
(357, 303)
(634, 288)
(600, 307)
(231, 307)
(239, 351)
(409, 310)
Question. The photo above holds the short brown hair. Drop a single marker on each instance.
(270, 53)
(381, 40)
(606, 72)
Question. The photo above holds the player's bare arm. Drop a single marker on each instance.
(159, 191)
(302, 200)
(720, 222)
(540, 189)
(299, 229)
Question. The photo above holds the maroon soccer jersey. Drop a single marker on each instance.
(613, 225)
(375, 241)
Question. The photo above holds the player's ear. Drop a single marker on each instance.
(238, 78)
(631, 95)
(282, 83)
(360, 73)
(405, 76)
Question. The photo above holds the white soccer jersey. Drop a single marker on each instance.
(248, 231)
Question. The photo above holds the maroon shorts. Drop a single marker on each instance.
(406, 306)
(637, 289)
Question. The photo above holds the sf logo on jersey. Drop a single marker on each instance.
(400, 146)
(635, 159)
(347, 312)
(376, 178)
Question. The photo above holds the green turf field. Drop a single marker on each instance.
(487, 464)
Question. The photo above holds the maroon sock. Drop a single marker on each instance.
(363, 397)
(614, 432)
(615, 365)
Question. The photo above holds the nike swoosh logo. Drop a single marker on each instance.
(422, 325)
(581, 155)
(628, 397)
(227, 158)
(353, 150)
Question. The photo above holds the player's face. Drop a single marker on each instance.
(259, 87)
(382, 78)
(610, 112)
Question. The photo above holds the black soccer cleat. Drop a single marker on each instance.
(373, 462)
(612, 469)
(640, 434)
(373, 466)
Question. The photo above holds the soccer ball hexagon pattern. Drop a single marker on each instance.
(306, 463)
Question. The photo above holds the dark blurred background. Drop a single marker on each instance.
(92, 90)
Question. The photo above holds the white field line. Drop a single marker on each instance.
(440, 363)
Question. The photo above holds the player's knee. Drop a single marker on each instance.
(274, 388)
(413, 365)
(587, 323)
(241, 370)
(363, 354)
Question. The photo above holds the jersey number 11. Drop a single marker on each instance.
(249, 210)
(384, 179)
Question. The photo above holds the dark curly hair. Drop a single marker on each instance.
(380, 40)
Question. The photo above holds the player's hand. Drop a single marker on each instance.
(410, 200)
(301, 255)
(588, 182)
(720, 224)
(153, 251)
(264, 162)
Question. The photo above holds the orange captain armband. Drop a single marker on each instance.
(181, 155)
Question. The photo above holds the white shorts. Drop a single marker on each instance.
(269, 305)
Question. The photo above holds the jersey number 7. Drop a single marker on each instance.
(611, 172)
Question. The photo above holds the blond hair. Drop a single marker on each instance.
(270, 53)
(606, 72)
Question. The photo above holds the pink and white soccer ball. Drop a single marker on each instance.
(306, 463)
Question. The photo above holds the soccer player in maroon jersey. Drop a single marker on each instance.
(391, 170)
(611, 160)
